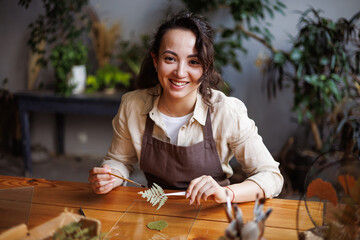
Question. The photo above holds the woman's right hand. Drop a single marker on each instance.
(102, 182)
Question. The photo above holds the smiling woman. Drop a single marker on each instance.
(183, 131)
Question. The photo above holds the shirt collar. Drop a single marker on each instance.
(152, 100)
(200, 110)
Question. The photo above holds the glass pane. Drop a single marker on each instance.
(175, 209)
(133, 223)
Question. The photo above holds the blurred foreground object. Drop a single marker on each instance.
(238, 230)
(65, 226)
(334, 179)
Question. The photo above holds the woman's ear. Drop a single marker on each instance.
(154, 60)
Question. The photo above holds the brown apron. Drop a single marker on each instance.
(172, 166)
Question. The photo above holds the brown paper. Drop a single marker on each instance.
(48, 228)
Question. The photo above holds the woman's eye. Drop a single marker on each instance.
(171, 59)
(194, 62)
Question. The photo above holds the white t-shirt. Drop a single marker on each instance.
(173, 125)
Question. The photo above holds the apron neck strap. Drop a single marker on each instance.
(208, 134)
(149, 126)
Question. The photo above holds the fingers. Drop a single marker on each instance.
(202, 188)
(98, 170)
(94, 177)
(193, 184)
(100, 181)
(103, 189)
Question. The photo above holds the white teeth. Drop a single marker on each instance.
(178, 83)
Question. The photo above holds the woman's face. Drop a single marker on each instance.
(178, 66)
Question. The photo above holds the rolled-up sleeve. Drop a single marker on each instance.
(251, 152)
(121, 154)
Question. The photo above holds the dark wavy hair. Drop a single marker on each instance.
(204, 45)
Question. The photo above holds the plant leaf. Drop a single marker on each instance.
(295, 55)
(157, 225)
(279, 58)
(154, 195)
(323, 190)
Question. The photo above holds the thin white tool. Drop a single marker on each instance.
(175, 194)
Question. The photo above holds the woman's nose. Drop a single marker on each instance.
(180, 70)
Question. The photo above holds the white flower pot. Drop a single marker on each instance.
(78, 78)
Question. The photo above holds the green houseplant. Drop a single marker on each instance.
(57, 32)
(108, 79)
(62, 21)
(63, 58)
(324, 62)
(323, 69)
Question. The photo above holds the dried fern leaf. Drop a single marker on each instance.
(154, 195)
(162, 202)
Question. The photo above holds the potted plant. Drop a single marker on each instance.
(108, 79)
(57, 32)
(69, 61)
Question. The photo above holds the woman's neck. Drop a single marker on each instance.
(177, 107)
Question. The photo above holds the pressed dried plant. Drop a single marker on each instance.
(323, 190)
(154, 195)
(157, 225)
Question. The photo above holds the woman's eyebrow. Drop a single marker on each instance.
(175, 54)
(193, 55)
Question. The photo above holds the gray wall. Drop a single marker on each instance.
(142, 16)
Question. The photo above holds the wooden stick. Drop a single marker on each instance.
(128, 180)
(175, 194)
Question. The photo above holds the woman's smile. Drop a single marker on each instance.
(178, 83)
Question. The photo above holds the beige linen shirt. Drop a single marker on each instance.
(233, 131)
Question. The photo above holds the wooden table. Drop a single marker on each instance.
(123, 210)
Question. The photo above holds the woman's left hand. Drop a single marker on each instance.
(204, 187)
